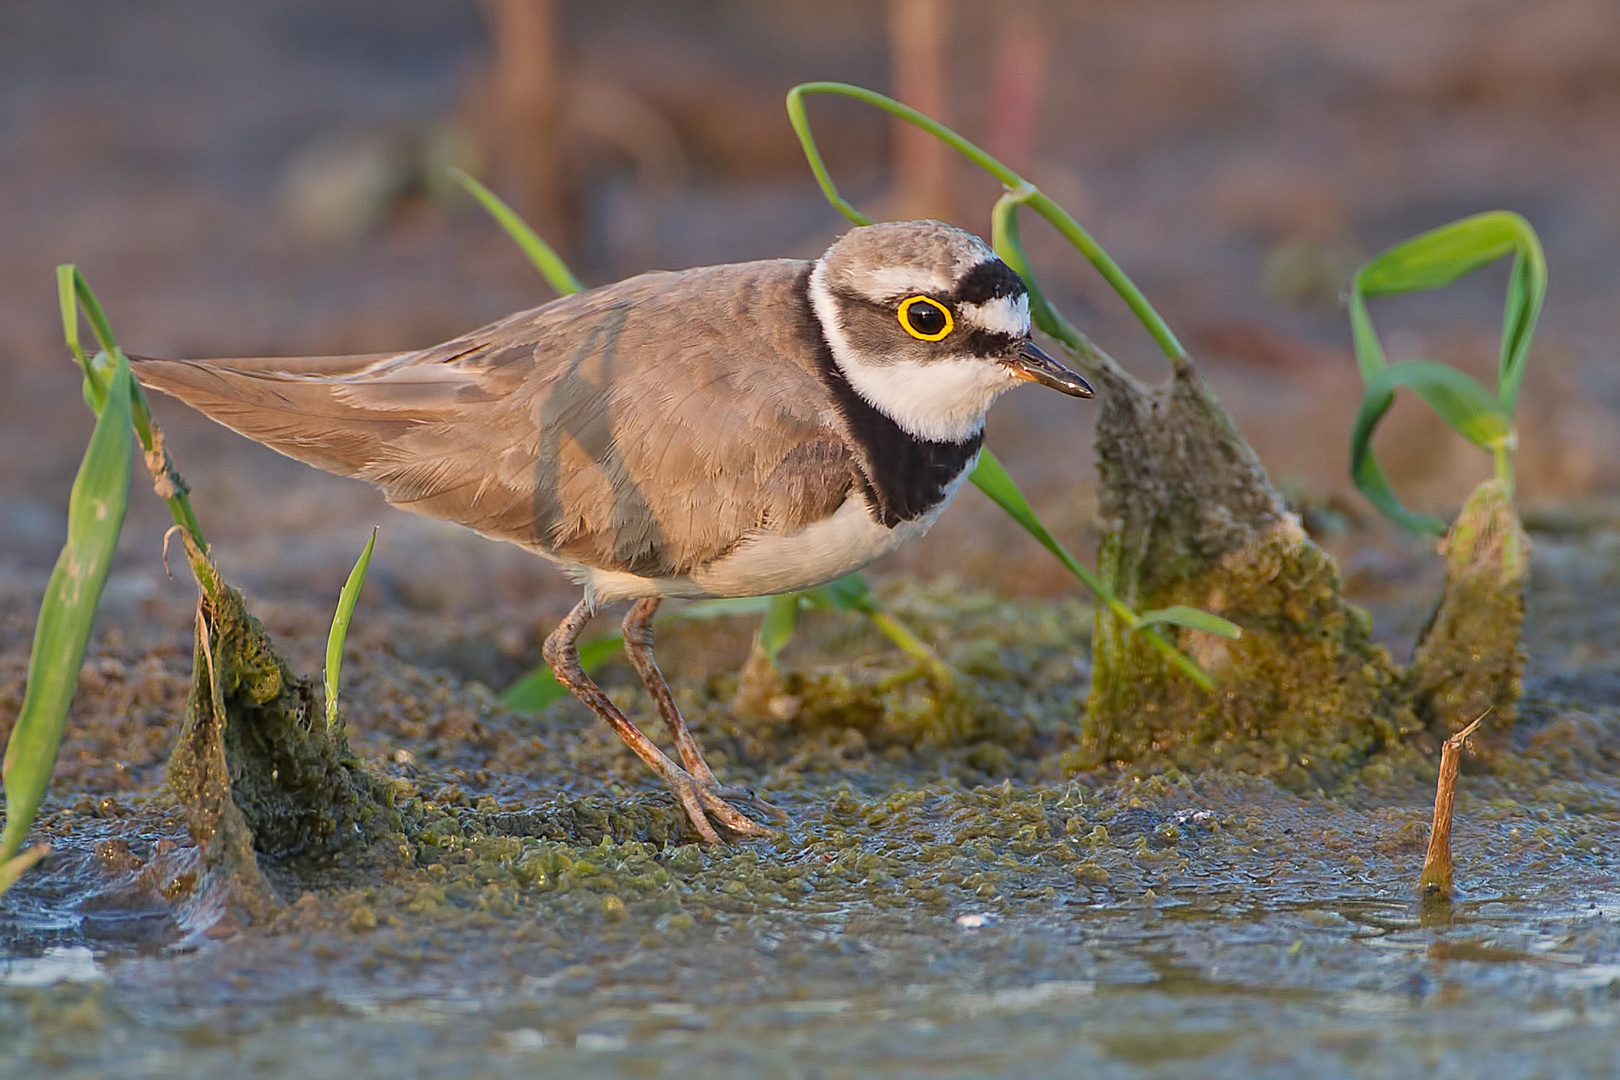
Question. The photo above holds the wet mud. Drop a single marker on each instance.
(954, 894)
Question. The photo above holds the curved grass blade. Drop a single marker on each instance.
(95, 516)
(991, 478)
(1190, 618)
(340, 628)
(1429, 261)
(1467, 407)
(1038, 201)
(539, 688)
(1439, 257)
(1470, 410)
(544, 257)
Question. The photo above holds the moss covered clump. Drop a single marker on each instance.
(256, 768)
(1189, 516)
(1468, 661)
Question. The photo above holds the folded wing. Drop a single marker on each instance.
(648, 426)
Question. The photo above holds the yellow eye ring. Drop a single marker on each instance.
(930, 307)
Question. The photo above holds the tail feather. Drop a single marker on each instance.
(303, 407)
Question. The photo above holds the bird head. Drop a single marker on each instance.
(929, 326)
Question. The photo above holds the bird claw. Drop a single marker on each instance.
(745, 797)
(708, 806)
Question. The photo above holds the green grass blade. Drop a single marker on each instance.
(1429, 261)
(13, 869)
(848, 593)
(1060, 219)
(95, 516)
(1467, 407)
(1368, 475)
(991, 478)
(932, 664)
(1009, 245)
(714, 609)
(1439, 257)
(340, 627)
(1191, 618)
(95, 387)
(1527, 289)
(539, 688)
(544, 257)
(1370, 359)
(73, 289)
(776, 629)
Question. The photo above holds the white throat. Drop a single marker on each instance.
(941, 400)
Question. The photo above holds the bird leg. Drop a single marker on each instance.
(638, 645)
(562, 654)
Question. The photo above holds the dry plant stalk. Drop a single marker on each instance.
(1436, 878)
(919, 32)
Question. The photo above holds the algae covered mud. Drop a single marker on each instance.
(949, 899)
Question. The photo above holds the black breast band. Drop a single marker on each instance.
(903, 476)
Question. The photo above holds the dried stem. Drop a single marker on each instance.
(1436, 879)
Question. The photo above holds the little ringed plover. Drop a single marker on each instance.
(724, 431)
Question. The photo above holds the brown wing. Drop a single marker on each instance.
(645, 426)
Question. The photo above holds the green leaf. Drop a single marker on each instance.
(544, 257)
(991, 478)
(720, 608)
(539, 688)
(1465, 405)
(1429, 261)
(848, 593)
(1441, 256)
(1471, 410)
(95, 516)
(340, 627)
(1370, 480)
(1192, 619)
(777, 627)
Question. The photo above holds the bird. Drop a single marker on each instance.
(744, 429)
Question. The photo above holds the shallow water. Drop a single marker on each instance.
(944, 901)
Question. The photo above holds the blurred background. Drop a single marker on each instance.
(269, 178)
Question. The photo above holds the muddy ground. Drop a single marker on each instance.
(948, 897)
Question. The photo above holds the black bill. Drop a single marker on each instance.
(1030, 361)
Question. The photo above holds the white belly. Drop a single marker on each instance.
(768, 563)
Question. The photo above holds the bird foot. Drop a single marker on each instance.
(708, 806)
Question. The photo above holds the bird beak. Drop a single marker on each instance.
(1031, 362)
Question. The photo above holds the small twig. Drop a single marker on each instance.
(1436, 878)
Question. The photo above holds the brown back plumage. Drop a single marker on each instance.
(646, 426)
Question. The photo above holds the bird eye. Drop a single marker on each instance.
(925, 318)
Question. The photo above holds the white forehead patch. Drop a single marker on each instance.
(883, 283)
(1000, 315)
